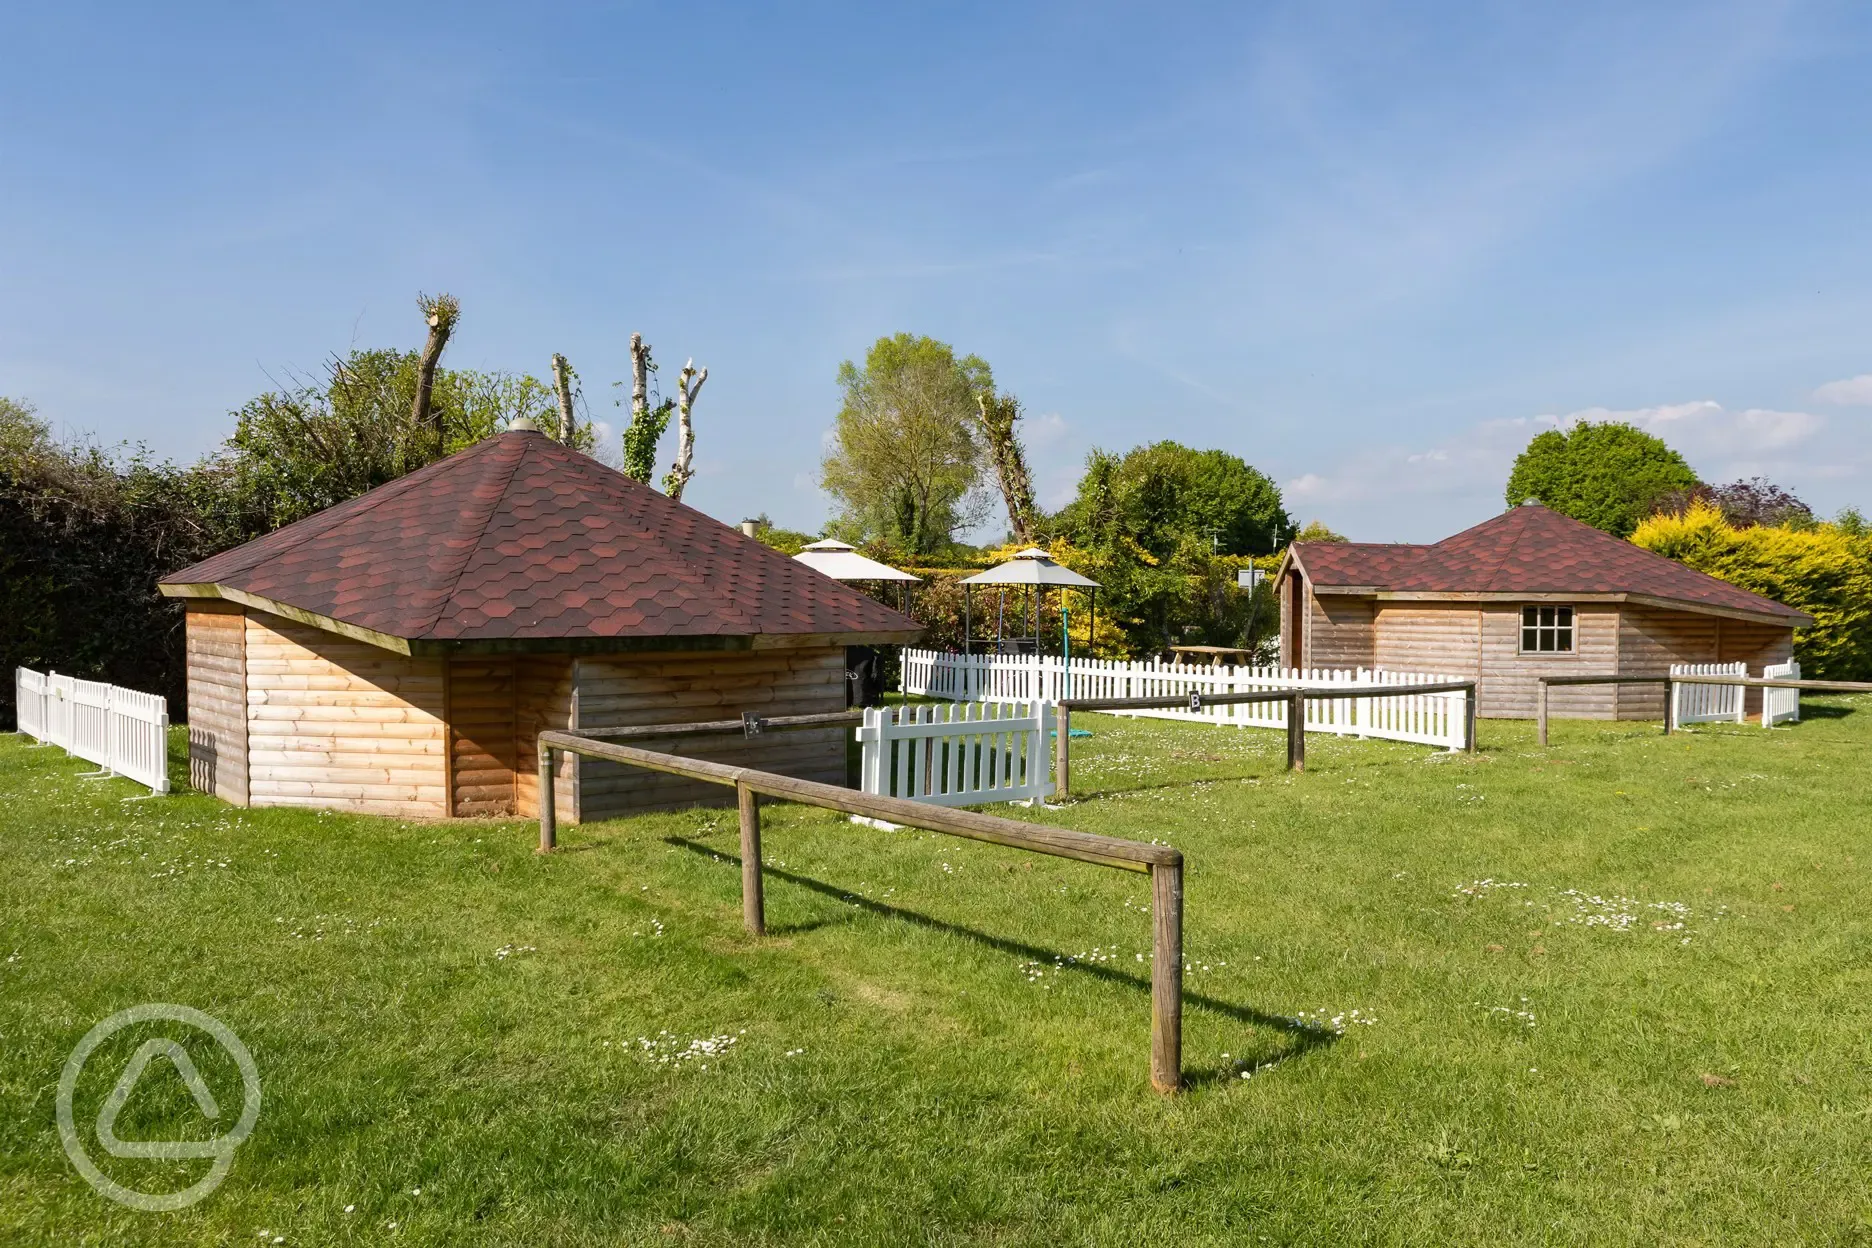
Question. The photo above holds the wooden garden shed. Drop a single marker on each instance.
(399, 653)
(1529, 593)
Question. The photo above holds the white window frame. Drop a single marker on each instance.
(1539, 621)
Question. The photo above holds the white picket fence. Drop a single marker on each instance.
(1707, 704)
(1426, 719)
(121, 730)
(965, 754)
(1781, 706)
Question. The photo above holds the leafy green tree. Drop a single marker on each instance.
(303, 449)
(1164, 495)
(1610, 475)
(1316, 531)
(906, 458)
(84, 534)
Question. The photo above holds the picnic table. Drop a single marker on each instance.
(1218, 656)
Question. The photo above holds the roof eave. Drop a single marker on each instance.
(1791, 619)
(356, 632)
(584, 644)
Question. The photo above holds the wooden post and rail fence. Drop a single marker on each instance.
(1296, 700)
(1162, 863)
(1670, 683)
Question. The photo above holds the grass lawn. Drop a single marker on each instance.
(1619, 991)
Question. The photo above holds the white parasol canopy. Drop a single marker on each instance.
(1032, 566)
(840, 561)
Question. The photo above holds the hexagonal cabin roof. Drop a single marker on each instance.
(1529, 550)
(520, 543)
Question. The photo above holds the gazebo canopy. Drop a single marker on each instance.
(841, 562)
(1032, 566)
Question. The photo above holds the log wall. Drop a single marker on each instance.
(1340, 631)
(543, 699)
(342, 724)
(216, 645)
(483, 735)
(630, 690)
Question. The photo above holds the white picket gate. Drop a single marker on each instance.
(1427, 719)
(1707, 704)
(964, 754)
(1781, 706)
(121, 730)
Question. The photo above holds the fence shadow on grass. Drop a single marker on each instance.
(1298, 1037)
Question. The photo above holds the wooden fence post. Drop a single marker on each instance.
(753, 903)
(1167, 976)
(1296, 731)
(1670, 705)
(1540, 712)
(549, 824)
(1469, 718)
(1062, 755)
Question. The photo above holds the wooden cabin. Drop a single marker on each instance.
(1529, 593)
(399, 653)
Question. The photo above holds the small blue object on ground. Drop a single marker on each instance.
(1074, 732)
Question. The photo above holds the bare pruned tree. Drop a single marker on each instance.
(688, 385)
(441, 312)
(998, 414)
(647, 423)
(562, 386)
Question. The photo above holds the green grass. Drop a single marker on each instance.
(945, 1042)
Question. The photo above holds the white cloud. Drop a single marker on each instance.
(1705, 430)
(1045, 430)
(1850, 392)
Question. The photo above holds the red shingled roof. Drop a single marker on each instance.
(1527, 550)
(519, 537)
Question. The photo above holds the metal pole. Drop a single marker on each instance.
(1670, 705)
(968, 617)
(549, 825)
(1167, 976)
(1540, 714)
(1469, 718)
(753, 902)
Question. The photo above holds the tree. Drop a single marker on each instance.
(1162, 495)
(441, 313)
(302, 449)
(1610, 475)
(563, 377)
(688, 385)
(905, 458)
(1316, 531)
(1744, 504)
(647, 422)
(998, 414)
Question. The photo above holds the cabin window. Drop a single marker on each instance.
(1546, 630)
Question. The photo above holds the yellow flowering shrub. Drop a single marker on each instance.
(1821, 569)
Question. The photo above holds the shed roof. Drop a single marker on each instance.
(519, 542)
(1528, 550)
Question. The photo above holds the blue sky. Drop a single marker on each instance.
(1370, 248)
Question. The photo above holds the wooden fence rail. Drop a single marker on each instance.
(1746, 682)
(1296, 700)
(1162, 863)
